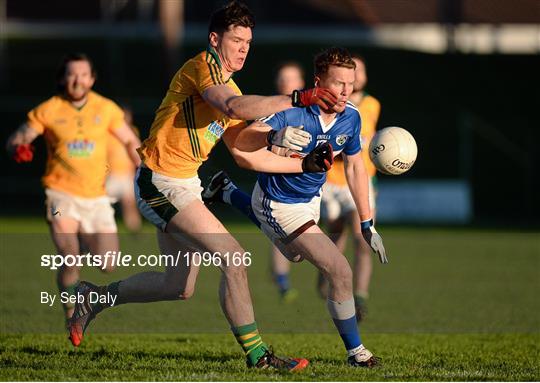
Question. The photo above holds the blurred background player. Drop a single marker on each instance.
(119, 183)
(289, 76)
(76, 124)
(203, 105)
(338, 208)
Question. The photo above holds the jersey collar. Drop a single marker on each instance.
(314, 109)
(317, 111)
(210, 51)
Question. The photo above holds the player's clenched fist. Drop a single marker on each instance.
(314, 96)
(23, 153)
(319, 159)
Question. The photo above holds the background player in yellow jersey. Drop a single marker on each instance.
(289, 76)
(76, 124)
(202, 105)
(119, 184)
(338, 207)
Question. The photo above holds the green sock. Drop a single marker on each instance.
(249, 338)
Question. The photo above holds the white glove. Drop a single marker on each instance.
(291, 137)
(373, 239)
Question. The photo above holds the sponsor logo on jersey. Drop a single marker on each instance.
(323, 137)
(341, 139)
(214, 132)
(81, 148)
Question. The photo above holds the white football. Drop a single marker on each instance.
(393, 150)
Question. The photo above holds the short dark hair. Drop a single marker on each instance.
(70, 57)
(333, 56)
(234, 13)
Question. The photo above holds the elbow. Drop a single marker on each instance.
(233, 113)
(233, 110)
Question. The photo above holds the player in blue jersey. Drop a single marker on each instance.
(286, 206)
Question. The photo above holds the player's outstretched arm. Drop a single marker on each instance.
(19, 144)
(252, 107)
(263, 160)
(260, 160)
(357, 180)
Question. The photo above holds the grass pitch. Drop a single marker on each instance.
(453, 304)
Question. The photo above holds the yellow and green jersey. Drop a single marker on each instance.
(76, 142)
(186, 127)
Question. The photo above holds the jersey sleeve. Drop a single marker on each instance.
(353, 145)
(36, 119)
(276, 121)
(205, 75)
(116, 117)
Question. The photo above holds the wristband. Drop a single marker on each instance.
(365, 225)
(270, 136)
(295, 96)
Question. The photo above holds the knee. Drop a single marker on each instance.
(340, 274)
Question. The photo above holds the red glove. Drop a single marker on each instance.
(314, 96)
(24, 153)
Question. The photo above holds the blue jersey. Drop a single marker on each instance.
(343, 133)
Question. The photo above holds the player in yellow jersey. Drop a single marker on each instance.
(76, 125)
(290, 76)
(338, 208)
(119, 184)
(202, 105)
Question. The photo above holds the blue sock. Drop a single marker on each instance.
(344, 317)
(282, 281)
(348, 331)
(242, 202)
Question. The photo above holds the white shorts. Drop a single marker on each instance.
(95, 215)
(160, 197)
(118, 186)
(337, 201)
(283, 221)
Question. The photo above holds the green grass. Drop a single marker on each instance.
(453, 304)
(215, 357)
